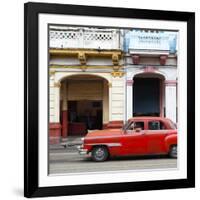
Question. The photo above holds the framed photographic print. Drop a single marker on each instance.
(109, 100)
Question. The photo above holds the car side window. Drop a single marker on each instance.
(156, 125)
(136, 126)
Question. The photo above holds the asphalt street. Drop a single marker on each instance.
(62, 160)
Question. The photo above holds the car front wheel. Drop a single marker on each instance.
(173, 151)
(100, 153)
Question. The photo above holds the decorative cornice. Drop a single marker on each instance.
(82, 58)
(170, 82)
(83, 68)
(115, 59)
(88, 66)
(163, 59)
(135, 59)
(116, 67)
(87, 52)
(83, 54)
(117, 74)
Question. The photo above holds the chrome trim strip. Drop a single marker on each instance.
(107, 144)
(100, 137)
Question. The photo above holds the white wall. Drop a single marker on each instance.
(11, 105)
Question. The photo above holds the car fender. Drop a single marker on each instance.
(170, 140)
(113, 148)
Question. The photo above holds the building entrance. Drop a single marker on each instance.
(83, 116)
(84, 104)
(147, 97)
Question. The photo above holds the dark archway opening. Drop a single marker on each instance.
(147, 96)
(83, 104)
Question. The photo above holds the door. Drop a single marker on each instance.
(134, 139)
(155, 136)
(146, 96)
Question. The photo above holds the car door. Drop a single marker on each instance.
(155, 137)
(134, 139)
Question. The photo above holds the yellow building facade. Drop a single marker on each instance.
(86, 85)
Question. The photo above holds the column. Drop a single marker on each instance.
(118, 98)
(110, 100)
(170, 99)
(51, 99)
(105, 103)
(57, 102)
(55, 126)
(129, 99)
(64, 111)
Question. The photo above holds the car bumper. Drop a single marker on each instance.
(82, 151)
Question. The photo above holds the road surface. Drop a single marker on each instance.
(65, 161)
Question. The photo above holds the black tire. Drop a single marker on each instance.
(100, 153)
(173, 151)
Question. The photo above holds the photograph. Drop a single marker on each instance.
(109, 100)
(113, 98)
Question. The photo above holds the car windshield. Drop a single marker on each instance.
(126, 125)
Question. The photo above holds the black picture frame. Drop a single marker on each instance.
(31, 185)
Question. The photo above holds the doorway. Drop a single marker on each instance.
(85, 100)
(147, 96)
(84, 115)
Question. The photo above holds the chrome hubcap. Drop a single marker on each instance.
(99, 153)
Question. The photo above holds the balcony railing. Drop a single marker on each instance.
(89, 38)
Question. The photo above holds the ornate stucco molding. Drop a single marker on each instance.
(84, 54)
(170, 83)
(115, 59)
(82, 58)
(117, 74)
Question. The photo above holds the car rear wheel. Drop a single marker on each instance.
(173, 151)
(100, 153)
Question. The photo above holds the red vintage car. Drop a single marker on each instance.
(139, 136)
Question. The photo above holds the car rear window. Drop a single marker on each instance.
(156, 125)
(172, 124)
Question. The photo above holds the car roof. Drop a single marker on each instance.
(147, 118)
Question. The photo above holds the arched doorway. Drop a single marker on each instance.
(84, 104)
(148, 95)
